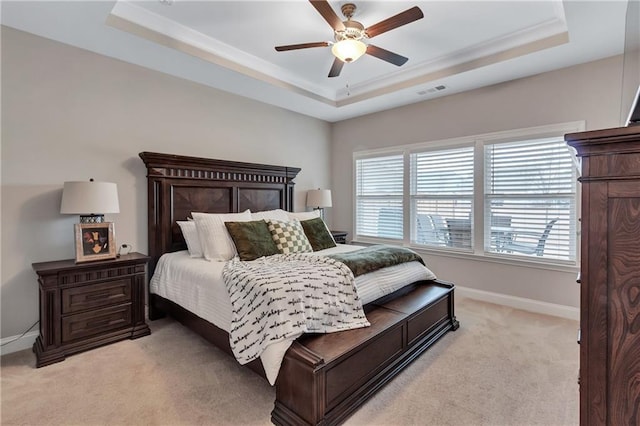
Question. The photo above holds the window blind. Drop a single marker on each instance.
(442, 197)
(530, 199)
(379, 191)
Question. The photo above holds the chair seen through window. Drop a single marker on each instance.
(533, 245)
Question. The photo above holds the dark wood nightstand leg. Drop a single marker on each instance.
(140, 327)
(140, 331)
(44, 357)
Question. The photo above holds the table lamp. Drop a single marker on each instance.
(91, 200)
(94, 238)
(319, 199)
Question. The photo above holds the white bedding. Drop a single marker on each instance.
(197, 285)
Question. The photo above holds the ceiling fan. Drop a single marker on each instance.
(350, 36)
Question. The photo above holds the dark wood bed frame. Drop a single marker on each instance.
(323, 378)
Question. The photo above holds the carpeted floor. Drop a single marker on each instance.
(502, 367)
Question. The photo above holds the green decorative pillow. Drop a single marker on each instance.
(289, 236)
(317, 234)
(252, 239)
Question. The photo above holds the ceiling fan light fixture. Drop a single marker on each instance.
(348, 50)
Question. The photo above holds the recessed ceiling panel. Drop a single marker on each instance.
(229, 45)
(451, 33)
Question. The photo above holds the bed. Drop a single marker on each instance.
(323, 378)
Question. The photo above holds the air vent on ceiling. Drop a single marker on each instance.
(432, 90)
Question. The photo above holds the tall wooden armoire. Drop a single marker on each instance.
(610, 276)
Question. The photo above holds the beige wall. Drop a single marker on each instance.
(631, 73)
(68, 114)
(589, 92)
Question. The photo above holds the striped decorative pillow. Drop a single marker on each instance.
(191, 237)
(217, 244)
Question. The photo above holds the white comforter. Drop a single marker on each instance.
(197, 285)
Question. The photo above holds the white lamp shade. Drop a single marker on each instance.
(349, 50)
(319, 198)
(89, 198)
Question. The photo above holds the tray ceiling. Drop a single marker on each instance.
(457, 46)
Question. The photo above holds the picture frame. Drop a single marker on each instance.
(95, 241)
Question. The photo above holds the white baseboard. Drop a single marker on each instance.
(17, 343)
(563, 311)
(537, 306)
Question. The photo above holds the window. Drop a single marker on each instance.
(530, 199)
(511, 195)
(442, 197)
(379, 192)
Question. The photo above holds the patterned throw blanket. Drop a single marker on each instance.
(285, 295)
(376, 257)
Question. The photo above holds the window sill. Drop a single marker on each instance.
(468, 255)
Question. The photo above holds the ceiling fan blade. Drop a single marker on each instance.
(386, 55)
(328, 14)
(396, 21)
(302, 46)
(336, 68)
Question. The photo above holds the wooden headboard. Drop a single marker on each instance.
(178, 185)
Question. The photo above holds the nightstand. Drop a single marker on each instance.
(86, 305)
(340, 236)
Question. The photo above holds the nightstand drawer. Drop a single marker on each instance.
(95, 322)
(93, 296)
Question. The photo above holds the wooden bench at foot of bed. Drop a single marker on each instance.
(325, 377)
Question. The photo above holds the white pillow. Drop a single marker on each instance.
(277, 214)
(215, 239)
(190, 234)
(304, 215)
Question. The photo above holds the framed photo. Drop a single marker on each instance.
(95, 241)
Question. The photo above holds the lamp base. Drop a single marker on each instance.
(91, 218)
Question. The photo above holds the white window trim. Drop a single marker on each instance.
(537, 132)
